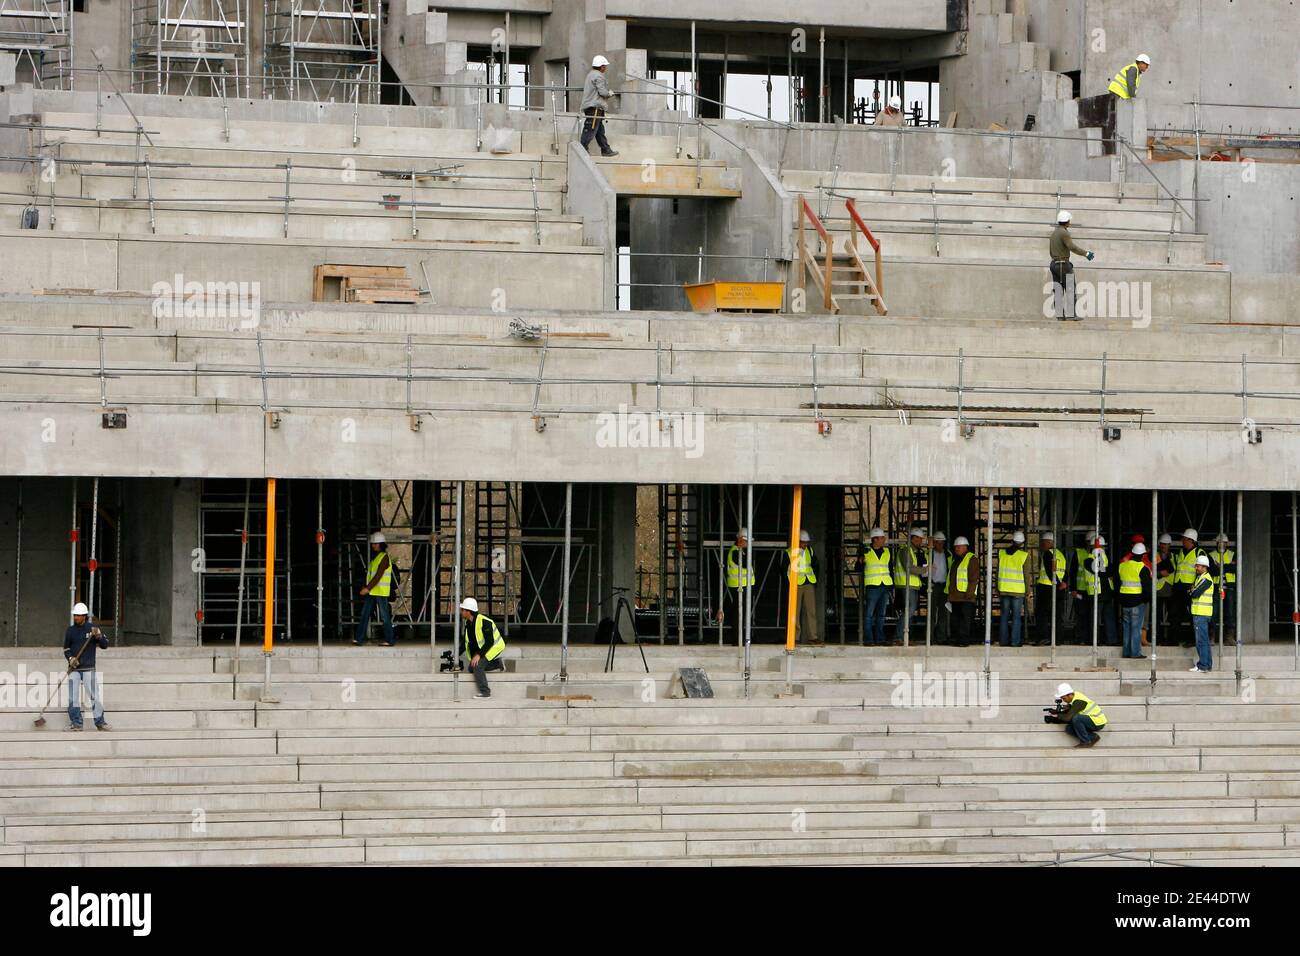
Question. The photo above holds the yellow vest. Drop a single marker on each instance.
(1091, 709)
(1119, 85)
(804, 567)
(1225, 557)
(875, 570)
(1130, 577)
(963, 572)
(385, 582)
(1058, 562)
(1084, 582)
(1203, 606)
(912, 580)
(1185, 566)
(1011, 571)
(498, 642)
(736, 575)
(1168, 579)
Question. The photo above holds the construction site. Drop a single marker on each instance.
(285, 279)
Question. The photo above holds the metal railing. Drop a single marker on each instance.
(945, 386)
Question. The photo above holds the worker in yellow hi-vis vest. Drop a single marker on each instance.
(378, 588)
(1011, 590)
(807, 626)
(484, 645)
(1126, 82)
(1081, 715)
(740, 578)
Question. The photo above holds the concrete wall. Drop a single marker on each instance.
(591, 197)
(1249, 212)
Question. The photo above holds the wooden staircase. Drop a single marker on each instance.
(857, 282)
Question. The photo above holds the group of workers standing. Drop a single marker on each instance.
(1194, 588)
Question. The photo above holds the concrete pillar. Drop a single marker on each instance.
(1254, 549)
(619, 547)
(184, 582)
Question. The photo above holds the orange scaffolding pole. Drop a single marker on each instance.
(796, 519)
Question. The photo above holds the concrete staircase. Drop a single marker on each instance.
(198, 771)
(975, 247)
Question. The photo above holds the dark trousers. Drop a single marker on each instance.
(1180, 614)
(594, 125)
(963, 622)
(1043, 613)
(1063, 288)
(385, 617)
(480, 673)
(940, 627)
(1083, 728)
(734, 618)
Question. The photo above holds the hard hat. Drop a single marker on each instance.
(895, 103)
(804, 536)
(1139, 537)
(938, 536)
(1018, 538)
(917, 532)
(1143, 58)
(598, 61)
(378, 538)
(469, 604)
(1064, 690)
(1202, 560)
(1100, 541)
(742, 533)
(1063, 216)
(1221, 537)
(1139, 548)
(1166, 539)
(1191, 533)
(80, 608)
(1047, 536)
(961, 542)
(876, 533)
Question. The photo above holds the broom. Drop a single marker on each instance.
(40, 720)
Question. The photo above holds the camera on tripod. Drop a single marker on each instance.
(448, 663)
(1055, 712)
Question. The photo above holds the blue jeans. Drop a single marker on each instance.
(912, 599)
(877, 602)
(1083, 728)
(1201, 625)
(1013, 607)
(1134, 618)
(90, 680)
(385, 616)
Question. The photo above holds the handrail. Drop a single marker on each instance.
(857, 220)
(855, 224)
(808, 211)
(807, 260)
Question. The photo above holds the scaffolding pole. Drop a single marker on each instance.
(749, 589)
(320, 572)
(1057, 576)
(988, 592)
(1221, 585)
(1096, 569)
(722, 562)
(1241, 498)
(243, 555)
(456, 571)
(564, 589)
(73, 536)
(1295, 582)
(796, 558)
(268, 638)
(1155, 581)
(117, 567)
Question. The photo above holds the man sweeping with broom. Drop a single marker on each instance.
(79, 644)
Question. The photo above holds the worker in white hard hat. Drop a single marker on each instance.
(1059, 248)
(740, 578)
(483, 645)
(936, 595)
(1081, 715)
(807, 627)
(80, 642)
(596, 95)
(877, 583)
(1011, 590)
(1094, 585)
(1125, 83)
(1225, 584)
(892, 114)
(377, 591)
(1201, 597)
(1134, 576)
(909, 565)
(1049, 588)
(963, 585)
(1180, 602)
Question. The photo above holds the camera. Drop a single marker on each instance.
(448, 663)
(1058, 710)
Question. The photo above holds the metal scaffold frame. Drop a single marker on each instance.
(191, 47)
(322, 50)
(39, 33)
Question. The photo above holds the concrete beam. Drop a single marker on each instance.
(591, 197)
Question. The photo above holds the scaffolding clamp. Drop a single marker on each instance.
(413, 419)
(273, 419)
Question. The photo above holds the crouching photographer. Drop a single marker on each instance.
(1081, 715)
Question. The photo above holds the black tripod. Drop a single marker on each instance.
(614, 640)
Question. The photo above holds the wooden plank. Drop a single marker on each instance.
(565, 697)
(376, 282)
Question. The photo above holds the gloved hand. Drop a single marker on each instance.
(1090, 257)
